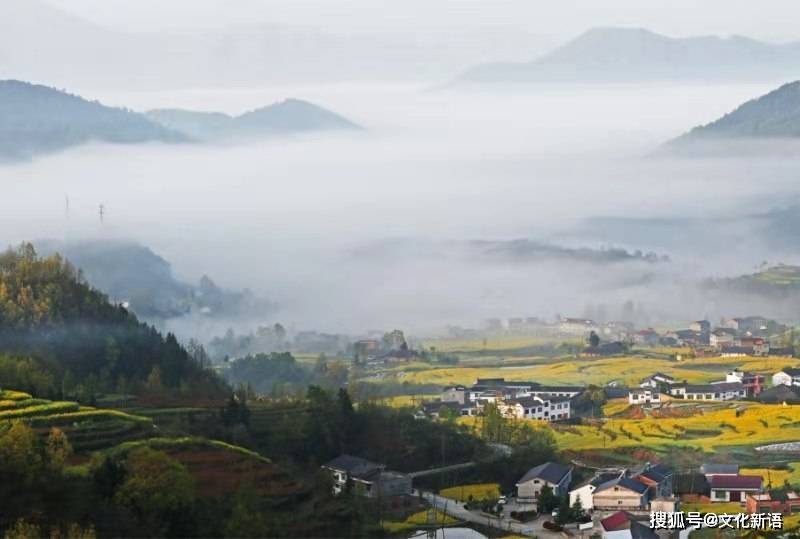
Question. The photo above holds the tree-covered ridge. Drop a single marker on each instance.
(36, 119)
(49, 313)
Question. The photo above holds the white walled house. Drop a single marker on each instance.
(787, 377)
(551, 474)
(644, 396)
(555, 409)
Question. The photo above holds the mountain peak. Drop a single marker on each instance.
(773, 115)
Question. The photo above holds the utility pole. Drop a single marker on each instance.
(102, 211)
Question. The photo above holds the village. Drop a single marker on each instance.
(606, 497)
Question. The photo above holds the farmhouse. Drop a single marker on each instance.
(658, 480)
(734, 488)
(780, 394)
(776, 501)
(691, 487)
(457, 394)
(620, 493)
(436, 409)
(655, 379)
(646, 337)
(644, 396)
(551, 474)
(789, 376)
(554, 409)
(710, 469)
(577, 326)
(753, 383)
(718, 391)
(368, 478)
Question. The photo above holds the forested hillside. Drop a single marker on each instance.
(35, 119)
(58, 332)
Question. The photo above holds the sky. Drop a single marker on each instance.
(773, 20)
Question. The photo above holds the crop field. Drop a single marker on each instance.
(776, 477)
(416, 520)
(708, 427)
(626, 370)
(87, 428)
(477, 492)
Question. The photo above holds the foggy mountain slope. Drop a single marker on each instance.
(774, 115)
(638, 55)
(288, 116)
(132, 273)
(36, 119)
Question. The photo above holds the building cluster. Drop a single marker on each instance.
(366, 478)
(733, 337)
(658, 387)
(519, 400)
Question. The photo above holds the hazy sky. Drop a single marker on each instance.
(767, 19)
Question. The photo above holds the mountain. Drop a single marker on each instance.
(288, 116)
(136, 276)
(635, 54)
(49, 313)
(36, 119)
(774, 115)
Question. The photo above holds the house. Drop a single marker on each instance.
(620, 493)
(780, 394)
(644, 396)
(719, 391)
(735, 351)
(585, 490)
(789, 376)
(654, 380)
(556, 391)
(658, 482)
(554, 409)
(551, 474)
(722, 337)
(734, 488)
(753, 383)
(776, 501)
(785, 351)
(436, 409)
(711, 469)
(457, 394)
(646, 337)
(577, 326)
(691, 487)
(367, 478)
(700, 326)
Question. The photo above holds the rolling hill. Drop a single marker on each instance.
(636, 54)
(36, 119)
(285, 117)
(771, 116)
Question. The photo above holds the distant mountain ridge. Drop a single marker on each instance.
(637, 54)
(287, 116)
(36, 119)
(774, 115)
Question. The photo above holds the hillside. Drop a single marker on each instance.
(36, 119)
(133, 274)
(78, 342)
(636, 54)
(774, 115)
(288, 116)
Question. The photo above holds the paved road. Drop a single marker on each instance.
(456, 510)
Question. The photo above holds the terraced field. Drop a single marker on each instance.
(87, 428)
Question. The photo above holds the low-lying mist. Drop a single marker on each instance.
(366, 230)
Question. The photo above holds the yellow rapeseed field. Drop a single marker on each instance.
(481, 491)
